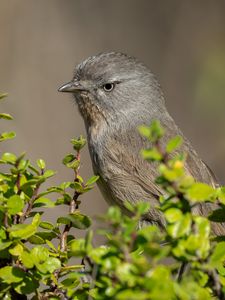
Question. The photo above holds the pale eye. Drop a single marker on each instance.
(108, 87)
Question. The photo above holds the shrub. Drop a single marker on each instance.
(185, 261)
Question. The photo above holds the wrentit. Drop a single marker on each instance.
(115, 94)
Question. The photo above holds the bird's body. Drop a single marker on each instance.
(115, 94)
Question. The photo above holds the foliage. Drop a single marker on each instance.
(184, 261)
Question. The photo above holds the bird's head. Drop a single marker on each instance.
(113, 86)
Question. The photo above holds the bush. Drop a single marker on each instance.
(184, 261)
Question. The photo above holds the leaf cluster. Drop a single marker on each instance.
(45, 260)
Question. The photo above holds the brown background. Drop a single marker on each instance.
(183, 42)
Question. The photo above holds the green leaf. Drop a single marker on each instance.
(173, 144)
(40, 254)
(49, 265)
(43, 202)
(3, 95)
(46, 225)
(23, 164)
(77, 247)
(73, 164)
(5, 245)
(151, 154)
(114, 214)
(68, 158)
(70, 282)
(217, 215)
(46, 235)
(36, 240)
(15, 204)
(41, 164)
(6, 116)
(173, 215)
(218, 255)
(181, 227)
(24, 231)
(77, 186)
(17, 250)
(200, 192)
(172, 174)
(7, 135)
(79, 143)
(49, 173)
(142, 207)
(156, 131)
(92, 180)
(63, 220)
(221, 194)
(144, 131)
(79, 220)
(27, 286)
(9, 158)
(11, 274)
(27, 259)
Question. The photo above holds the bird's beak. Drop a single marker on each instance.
(71, 87)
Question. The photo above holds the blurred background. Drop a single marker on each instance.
(182, 42)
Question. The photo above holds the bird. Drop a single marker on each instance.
(115, 93)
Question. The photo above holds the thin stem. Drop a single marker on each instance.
(30, 204)
(6, 224)
(74, 204)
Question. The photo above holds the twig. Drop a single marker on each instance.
(74, 204)
(181, 271)
(30, 204)
(216, 284)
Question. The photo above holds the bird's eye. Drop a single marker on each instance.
(108, 87)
